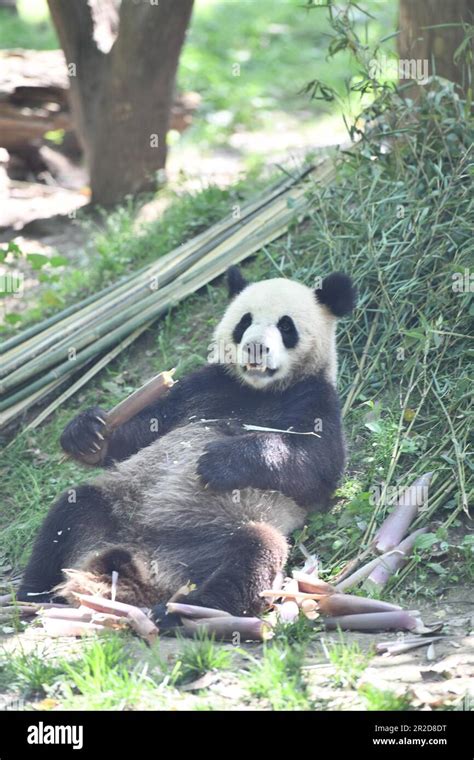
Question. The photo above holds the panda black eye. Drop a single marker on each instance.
(288, 331)
(286, 324)
(244, 322)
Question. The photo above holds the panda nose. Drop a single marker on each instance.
(255, 352)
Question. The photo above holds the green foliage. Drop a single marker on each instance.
(198, 656)
(378, 699)
(32, 28)
(348, 660)
(251, 60)
(30, 671)
(300, 632)
(104, 677)
(277, 677)
(399, 220)
(42, 267)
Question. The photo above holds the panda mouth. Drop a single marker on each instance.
(258, 370)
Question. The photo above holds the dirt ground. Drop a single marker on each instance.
(439, 676)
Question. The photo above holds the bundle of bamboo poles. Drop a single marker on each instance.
(88, 335)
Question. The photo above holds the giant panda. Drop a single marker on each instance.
(206, 485)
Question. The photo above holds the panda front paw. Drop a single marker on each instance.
(83, 438)
(218, 469)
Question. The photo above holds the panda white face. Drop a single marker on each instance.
(277, 331)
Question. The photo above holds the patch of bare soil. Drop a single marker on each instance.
(431, 677)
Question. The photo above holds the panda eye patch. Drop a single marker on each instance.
(241, 327)
(288, 331)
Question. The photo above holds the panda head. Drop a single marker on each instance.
(278, 331)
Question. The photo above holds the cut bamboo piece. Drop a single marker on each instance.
(395, 527)
(345, 604)
(230, 628)
(128, 408)
(375, 621)
(194, 612)
(390, 564)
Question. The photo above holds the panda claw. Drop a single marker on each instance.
(102, 422)
(99, 435)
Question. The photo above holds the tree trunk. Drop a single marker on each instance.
(436, 46)
(122, 85)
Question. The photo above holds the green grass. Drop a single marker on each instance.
(383, 700)
(300, 632)
(32, 672)
(100, 676)
(348, 660)
(277, 677)
(105, 677)
(199, 656)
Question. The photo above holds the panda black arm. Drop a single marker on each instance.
(306, 467)
(306, 470)
(195, 394)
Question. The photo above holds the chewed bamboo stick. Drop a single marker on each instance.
(311, 584)
(139, 399)
(136, 617)
(129, 407)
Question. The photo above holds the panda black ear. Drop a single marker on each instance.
(337, 293)
(235, 281)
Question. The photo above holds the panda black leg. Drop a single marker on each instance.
(253, 556)
(79, 515)
(167, 622)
